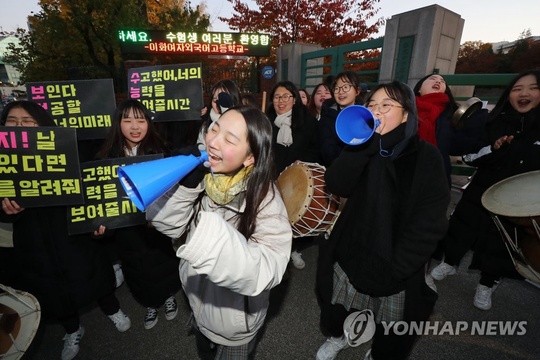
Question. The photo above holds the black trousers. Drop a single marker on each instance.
(109, 305)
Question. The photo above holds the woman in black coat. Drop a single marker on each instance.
(436, 106)
(65, 273)
(149, 263)
(346, 91)
(295, 137)
(394, 216)
(512, 139)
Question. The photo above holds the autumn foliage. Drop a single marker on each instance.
(476, 57)
(324, 22)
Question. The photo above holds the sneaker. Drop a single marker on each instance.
(151, 318)
(443, 270)
(482, 298)
(121, 321)
(118, 273)
(171, 308)
(297, 261)
(368, 355)
(331, 347)
(430, 282)
(71, 344)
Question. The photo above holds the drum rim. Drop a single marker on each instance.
(32, 317)
(510, 210)
(304, 167)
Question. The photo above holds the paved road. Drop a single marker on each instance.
(292, 331)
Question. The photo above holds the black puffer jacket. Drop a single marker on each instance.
(408, 215)
(65, 273)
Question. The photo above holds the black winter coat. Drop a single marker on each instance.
(305, 146)
(421, 219)
(149, 264)
(452, 141)
(331, 145)
(520, 156)
(64, 273)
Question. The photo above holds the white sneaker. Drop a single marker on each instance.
(368, 355)
(331, 347)
(297, 260)
(119, 274)
(430, 282)
(482, 298)
(71, 344)
(121, 321)
(443, 270)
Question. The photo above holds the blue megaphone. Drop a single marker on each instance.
(145, 182)
(356, 124)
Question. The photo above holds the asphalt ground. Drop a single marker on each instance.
(292, 327)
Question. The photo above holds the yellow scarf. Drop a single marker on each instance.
(223, 188)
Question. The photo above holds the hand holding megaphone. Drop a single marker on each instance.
(356, 124)
(195, 176)
(145, 182)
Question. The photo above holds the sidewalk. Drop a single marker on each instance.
(292, 331)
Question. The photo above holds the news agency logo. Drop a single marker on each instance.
(482, 328)
(359, 327)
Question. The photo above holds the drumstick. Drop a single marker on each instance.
(263, 100)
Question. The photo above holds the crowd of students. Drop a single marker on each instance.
(223, 236)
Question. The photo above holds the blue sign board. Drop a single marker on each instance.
(268, 72)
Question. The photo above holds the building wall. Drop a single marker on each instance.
(437, 35)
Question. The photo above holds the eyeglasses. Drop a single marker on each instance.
(285, 98)
(24, 122)
(345, 88)
(383, 108)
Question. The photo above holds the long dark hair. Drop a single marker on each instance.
(33, 109)
(260, 182)
(312, 108)
(299, 110)
(503, 103)
(447, 91)
(114, 144)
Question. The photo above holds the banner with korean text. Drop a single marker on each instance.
(171, 92)
(106, 203)
(39, 166)
(85, 105)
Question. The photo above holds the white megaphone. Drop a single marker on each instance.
(145, 182)
(356, 124)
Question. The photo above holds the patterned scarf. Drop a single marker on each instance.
(430, 107)
(222, 188)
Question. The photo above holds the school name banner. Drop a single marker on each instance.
(85, 105)
(190, 42)
(171, 92)
(39, 166)
(105, 201)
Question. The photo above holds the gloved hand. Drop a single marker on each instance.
(194, 178)
(373, 145)
(224, 101)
